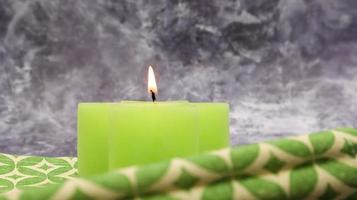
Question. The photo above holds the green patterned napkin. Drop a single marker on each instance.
(28, 172)
(317, 166)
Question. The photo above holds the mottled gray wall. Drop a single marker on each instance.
(285, 67)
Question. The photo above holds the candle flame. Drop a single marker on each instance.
(152, 88)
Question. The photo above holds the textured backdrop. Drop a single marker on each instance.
(285, 67)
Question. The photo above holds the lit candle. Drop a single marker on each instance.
(114, 135)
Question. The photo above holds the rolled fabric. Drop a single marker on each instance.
(317, 166)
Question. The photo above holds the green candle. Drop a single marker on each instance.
(114, 135)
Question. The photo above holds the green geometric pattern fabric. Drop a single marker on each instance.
(318, 166)
(26, 172)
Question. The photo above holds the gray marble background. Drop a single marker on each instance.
(286, 67)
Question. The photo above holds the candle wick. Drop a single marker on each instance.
(153, 96)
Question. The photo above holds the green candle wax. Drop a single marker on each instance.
(114, 135)
(93, 129)
(213, 125)
(144, 132)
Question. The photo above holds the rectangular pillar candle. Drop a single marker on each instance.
(113, 135)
